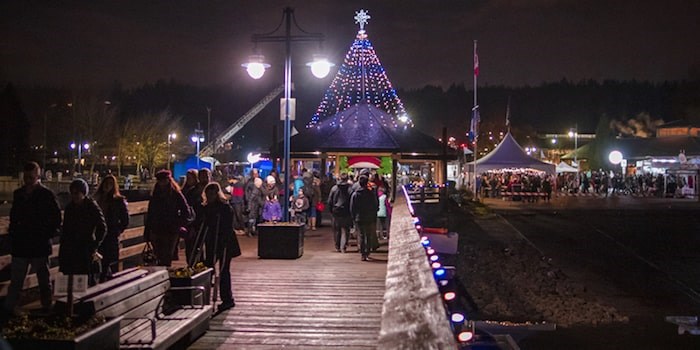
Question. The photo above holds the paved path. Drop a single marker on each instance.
(322, 300)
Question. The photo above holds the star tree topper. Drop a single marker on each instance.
(361, 18)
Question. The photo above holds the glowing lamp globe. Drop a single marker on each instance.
(320, 67)
(86, 146)
(255, 70)
(449, 296)
(256, 66)
(457, 317)
(615, 157)
(194, 138)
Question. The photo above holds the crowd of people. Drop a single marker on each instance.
(600, 182)
(494, 184)
(605, 183)
(201, 212)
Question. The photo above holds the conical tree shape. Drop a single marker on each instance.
(361, 79)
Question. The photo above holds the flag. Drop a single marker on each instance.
(476, 63)
(508, 113)
(474, 127)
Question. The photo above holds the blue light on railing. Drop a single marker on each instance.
(439, 272)
(457, 317)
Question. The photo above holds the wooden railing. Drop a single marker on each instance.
(425, 194)
(413, 315)
(130, 242)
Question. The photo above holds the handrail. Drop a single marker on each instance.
(413, 314)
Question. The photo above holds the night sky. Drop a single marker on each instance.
(93, 43)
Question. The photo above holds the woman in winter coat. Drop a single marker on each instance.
(256, 200)
(168, 216)
(116, 214)
(221, 244)
(83, 230)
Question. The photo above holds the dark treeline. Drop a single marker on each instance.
(552, 107)
(548, 108)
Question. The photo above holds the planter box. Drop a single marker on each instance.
(104, 337)
(186, 297)
(283, 240)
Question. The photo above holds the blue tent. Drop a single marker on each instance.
(180, 167)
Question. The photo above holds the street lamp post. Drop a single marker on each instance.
(256, 68)
(574, 133)
(171, 137)
(80, 148)
(198, 138)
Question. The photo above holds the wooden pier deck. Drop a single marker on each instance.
(323, 300)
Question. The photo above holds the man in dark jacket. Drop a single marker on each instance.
(35, 218)
(363, 208)
(339, 206)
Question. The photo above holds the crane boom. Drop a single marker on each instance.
(219, 140)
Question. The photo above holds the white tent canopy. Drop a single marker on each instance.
(566, 168)
(509, 155)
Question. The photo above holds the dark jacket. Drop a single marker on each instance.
(167, 213)
(34, 219)
(219, 215)
(193, 195)
(339, 200)
(84, 228)
(116, 214)
(364, 204)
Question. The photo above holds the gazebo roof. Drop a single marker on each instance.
(363, 128)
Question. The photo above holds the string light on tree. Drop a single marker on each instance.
(361, 78)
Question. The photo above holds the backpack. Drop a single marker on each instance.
(341, 205)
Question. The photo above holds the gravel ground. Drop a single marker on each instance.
(509, 279)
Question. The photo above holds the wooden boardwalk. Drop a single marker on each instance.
(322, 300)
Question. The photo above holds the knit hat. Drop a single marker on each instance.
(79, 185)
(163, 174)
(270, 180)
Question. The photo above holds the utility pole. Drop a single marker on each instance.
(209, 125)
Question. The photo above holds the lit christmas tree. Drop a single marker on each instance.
(361, 79)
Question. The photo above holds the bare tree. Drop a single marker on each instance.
(144, 138)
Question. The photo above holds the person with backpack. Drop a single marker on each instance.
(339, 206)
(364, 205)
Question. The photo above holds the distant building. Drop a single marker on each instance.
(678, 128)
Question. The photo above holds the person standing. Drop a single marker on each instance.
(235, 188)
(383, 212)
(116, 214)
(363, 208)
(192, 190)
(84, 229)
(168, 215)
(221, 243)
(35, 218)
(255, 200)
(339, 206)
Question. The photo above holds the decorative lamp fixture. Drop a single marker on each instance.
(320, 66)
(256, 66)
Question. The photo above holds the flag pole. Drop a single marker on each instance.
(475, 112)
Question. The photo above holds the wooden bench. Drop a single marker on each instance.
(149, 320)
